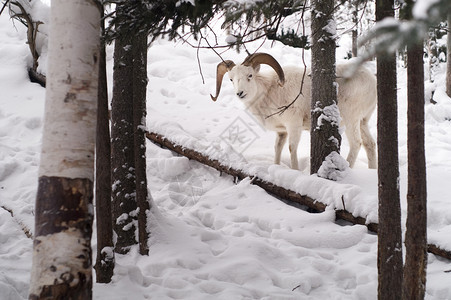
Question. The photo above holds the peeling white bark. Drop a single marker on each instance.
(62, 252)
(70, 112)
(56, 263)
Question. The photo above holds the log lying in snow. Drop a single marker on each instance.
(287, 195)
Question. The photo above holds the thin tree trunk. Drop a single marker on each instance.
(414, 282)
(325, 137)
(432, 54)
(139, 117)
(105, 256)
(355, 7)
(354, 43)
(389, 231)
(125, 213)
(63, 214)
(448, 57)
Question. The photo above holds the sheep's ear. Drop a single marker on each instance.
(257, 68)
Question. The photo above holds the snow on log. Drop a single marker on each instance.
(287, 195)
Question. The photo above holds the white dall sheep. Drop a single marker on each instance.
(264, 93)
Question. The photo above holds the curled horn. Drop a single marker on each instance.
(263, 58)
(222, 68)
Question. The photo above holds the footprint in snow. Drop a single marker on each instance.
(167, 93)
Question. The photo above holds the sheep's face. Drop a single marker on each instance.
(243, 79)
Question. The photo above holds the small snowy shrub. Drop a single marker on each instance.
(334, 167)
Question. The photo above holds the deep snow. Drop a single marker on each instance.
(212, 238)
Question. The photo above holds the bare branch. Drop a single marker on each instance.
(24, 227)
(4, 5)
(282, 109)
(32, 29)
(198, 60)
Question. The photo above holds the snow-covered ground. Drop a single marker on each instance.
(212, 238)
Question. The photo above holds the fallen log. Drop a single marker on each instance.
(288, 196)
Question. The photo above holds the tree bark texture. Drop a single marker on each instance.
(280, 192)
(389, 230)
(63, 239)
(125, 212)
(432, 50)
(448, 56)
(325, 137)
(414, 281)
(354, 6)
(105, 256)
(139, 119)
(62, 266)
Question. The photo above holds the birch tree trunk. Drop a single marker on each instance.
(62, 267)
(389, 260)
(325, 137)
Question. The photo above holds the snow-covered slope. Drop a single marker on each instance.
(211, 238)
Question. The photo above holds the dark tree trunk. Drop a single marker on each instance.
(432, 54)
(139, 117)
(354, 43)
(414, 282)
(355, 20)
(324, 89)
(448, 57)
(125, 212)
(389, 230)
(105, 256)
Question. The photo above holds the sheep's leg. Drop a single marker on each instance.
(281, 138)
(294, 136)
(355, 141)
(368, 144)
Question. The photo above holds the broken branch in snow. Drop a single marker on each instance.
(288, 196)
(22, 13)
(434, 249)
(271, 188)
(24, 228)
